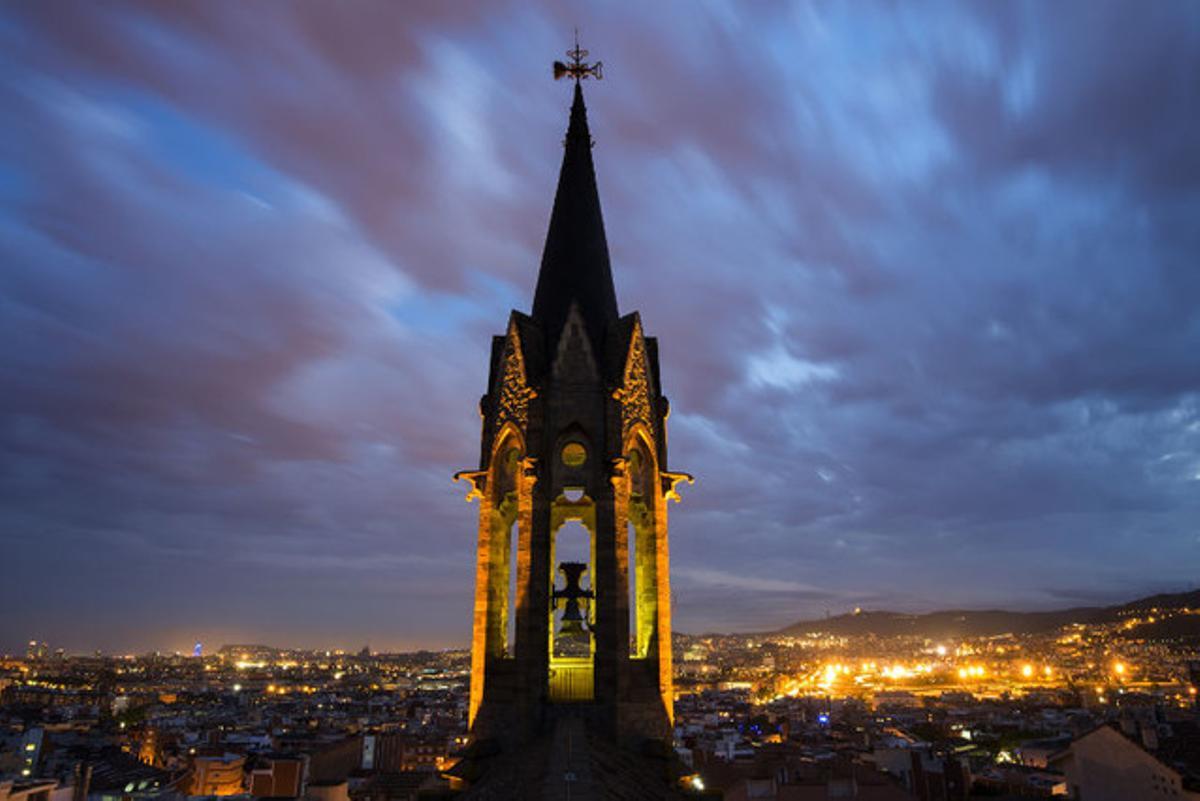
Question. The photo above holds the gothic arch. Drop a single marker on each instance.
(503, 488)
(641, 476)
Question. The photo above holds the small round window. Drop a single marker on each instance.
(574, 454)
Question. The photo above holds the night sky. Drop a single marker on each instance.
(926, 281)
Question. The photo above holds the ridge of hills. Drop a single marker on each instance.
(957, 623)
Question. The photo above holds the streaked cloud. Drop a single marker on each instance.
(923, 277)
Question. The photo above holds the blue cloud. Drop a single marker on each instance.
(923, 279)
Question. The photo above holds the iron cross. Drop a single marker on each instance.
(578, 68)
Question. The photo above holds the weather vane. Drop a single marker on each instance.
(578, 68)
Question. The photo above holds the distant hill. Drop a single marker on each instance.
(982, 623)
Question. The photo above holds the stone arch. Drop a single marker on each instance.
(571, 669)
(641, 475)
(642, 462)
(508, 448)
(564, 510)
(503, 488)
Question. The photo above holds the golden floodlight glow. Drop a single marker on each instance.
(1119, 668)
(1027, 671)
(244, 664)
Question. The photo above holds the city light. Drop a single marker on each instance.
(736, 682)
(243, 664)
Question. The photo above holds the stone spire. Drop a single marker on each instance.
(563, 442)
(575, 266)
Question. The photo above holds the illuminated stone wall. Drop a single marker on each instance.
(573, 428)
(572, 441)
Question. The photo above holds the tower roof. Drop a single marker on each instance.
(575, 266)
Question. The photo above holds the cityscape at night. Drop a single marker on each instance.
(1003, 702)
(613, 402)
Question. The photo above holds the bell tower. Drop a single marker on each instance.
(572, 610)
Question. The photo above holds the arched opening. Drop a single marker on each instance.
(643, 553)
(502, 587)
(572, 601)
(573, 580)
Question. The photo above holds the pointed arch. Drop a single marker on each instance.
(503, 488)
(641, 475)
(509, 432)
(574, 359)
(642, 468)
(572, 646)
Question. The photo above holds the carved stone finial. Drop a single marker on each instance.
(515, 393)
(634, 392)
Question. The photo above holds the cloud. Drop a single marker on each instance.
(923, 280)
(710, 578)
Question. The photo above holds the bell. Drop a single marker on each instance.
(572, 575)
(573, 638)
(572, 597)
(573, 630)
(571, 611)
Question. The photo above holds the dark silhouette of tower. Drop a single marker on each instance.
(574, 431)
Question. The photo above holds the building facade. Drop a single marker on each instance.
(1105, 765)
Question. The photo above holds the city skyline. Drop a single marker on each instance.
(882, 624)
(923, 282)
